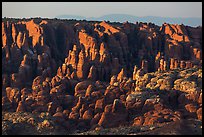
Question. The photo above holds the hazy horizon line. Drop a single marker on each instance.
(98, 16)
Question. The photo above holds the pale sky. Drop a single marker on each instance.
(97, 9)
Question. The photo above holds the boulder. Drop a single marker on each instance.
(88, 115)
(199, 114)
(21, 107)
(138, 121)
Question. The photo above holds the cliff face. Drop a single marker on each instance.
(50, 65)
(40, 47)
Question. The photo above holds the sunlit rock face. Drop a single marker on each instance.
(96, 72)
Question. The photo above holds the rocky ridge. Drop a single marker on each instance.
(84, 74)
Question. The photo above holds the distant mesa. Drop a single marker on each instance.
(70, 17)
(191, 21)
